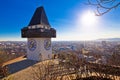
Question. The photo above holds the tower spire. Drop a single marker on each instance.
(39, 17)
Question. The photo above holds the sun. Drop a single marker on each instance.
(88, 18)
(87, 25)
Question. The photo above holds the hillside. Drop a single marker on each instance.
(25, 69)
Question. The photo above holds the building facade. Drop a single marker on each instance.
(39, 34)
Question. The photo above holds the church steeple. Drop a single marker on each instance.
(39, 17)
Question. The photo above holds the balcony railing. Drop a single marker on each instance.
(39, 32)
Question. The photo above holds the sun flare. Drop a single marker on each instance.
(87, 25)
(88, 19)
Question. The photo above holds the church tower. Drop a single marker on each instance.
(39, 34)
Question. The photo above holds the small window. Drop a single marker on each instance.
(42, 26)
(46, 27)
(42, 30)
(48, 56)
(33, 27)
(29, 27)
(40, 56)
(38, 26)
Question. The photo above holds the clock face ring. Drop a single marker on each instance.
(47, 44)
(32, 44)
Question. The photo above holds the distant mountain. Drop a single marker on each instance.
(109, 39)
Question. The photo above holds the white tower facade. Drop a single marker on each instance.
(39, 34)
(39, 49)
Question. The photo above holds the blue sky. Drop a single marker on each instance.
(63, 15)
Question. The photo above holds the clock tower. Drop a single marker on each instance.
(39, 34)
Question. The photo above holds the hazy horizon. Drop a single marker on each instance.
(100, 39)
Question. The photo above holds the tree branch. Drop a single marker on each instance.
(101, 7)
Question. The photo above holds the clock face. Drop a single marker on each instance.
(47, 44)
(32, 45)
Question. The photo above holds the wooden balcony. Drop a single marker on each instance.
(38, 33)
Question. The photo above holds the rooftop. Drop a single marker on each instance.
(39, 17)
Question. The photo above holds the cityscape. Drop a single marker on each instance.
(103, 52)
(60, 40)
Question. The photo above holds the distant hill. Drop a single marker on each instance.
(109, 39)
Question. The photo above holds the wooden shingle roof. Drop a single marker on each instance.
(39, 17)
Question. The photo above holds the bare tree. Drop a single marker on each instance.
(42, 71)
(69, 66)
(103, 6)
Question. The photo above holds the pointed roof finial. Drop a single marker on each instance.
(39, 17)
